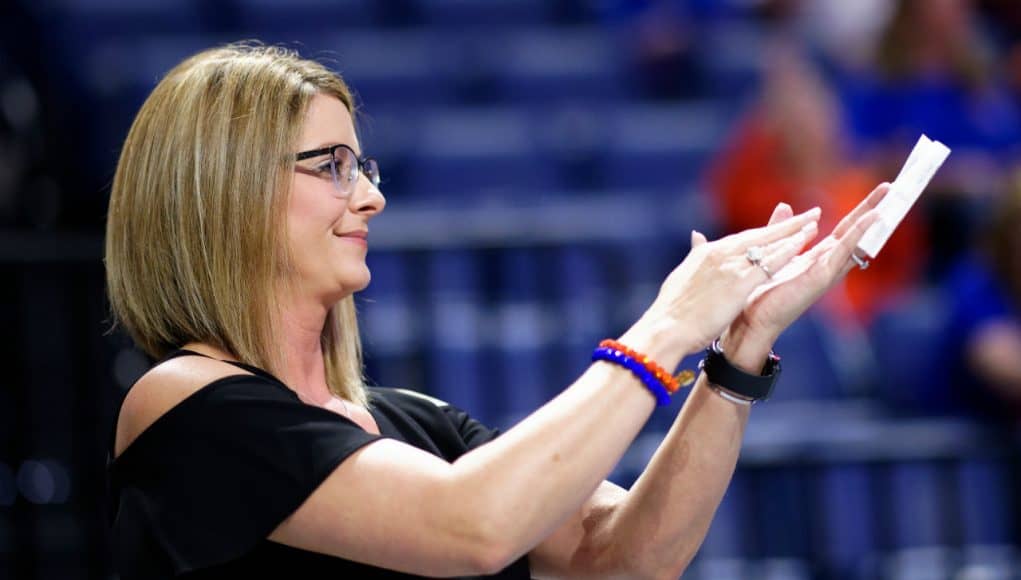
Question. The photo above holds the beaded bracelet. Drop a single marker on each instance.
(637, 368)
(670, 382)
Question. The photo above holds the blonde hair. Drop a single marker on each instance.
(195, 227)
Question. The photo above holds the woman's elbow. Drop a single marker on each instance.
(491, 536)
(487, 560)
(495, 546)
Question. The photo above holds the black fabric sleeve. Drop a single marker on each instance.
(471, 431)
(220, 471)
(432, 424)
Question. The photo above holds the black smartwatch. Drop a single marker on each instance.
(733, 383)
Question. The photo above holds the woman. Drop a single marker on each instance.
(253, 447)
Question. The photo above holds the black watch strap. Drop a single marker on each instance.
(751, 387)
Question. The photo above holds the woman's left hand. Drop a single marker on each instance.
(808, 276)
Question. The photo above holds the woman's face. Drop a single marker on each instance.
(327, 232)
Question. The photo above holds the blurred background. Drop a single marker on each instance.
(544, 162)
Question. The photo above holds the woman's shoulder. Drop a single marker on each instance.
(164, 387)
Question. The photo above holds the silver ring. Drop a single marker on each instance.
(754, 255)
(862, 264)
(765, 269)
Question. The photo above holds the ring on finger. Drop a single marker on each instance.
(764, 269)
(754, 255)
(862, 263)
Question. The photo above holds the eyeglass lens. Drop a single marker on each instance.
(347, 167)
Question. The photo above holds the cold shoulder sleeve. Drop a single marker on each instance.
(219, 472)
(474, 433)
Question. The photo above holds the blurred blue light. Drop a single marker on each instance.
(36, 483)
(44, 481)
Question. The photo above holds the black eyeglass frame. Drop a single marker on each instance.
(363, 163)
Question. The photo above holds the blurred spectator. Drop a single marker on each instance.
(846, 33)
(983, 340)
(935, 72)
(790, 147)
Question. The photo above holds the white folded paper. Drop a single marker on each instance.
(923, 162)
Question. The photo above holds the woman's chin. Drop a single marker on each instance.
(351, 284)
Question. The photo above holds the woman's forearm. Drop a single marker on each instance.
(660, 524)
(536, 474)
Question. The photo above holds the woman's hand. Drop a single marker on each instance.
(804, 279)
(712, 285)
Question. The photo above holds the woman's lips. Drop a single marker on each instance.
(359, 237)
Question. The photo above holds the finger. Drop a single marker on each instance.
(697, 239)
(781, 212)
(780, 252)
(870, 202)
(841, 254)
(768, 234)
(821, 248)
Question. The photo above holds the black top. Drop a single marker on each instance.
(199, 491)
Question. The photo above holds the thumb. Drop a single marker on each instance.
(697, 239)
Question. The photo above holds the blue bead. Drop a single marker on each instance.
(638, 369)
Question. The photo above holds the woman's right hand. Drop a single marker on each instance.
(708, 290)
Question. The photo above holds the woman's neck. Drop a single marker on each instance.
(299, 330)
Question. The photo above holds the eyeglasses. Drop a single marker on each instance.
(342, 166)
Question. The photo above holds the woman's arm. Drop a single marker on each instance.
(392, 505)
(654, 530)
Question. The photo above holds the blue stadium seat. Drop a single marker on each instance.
(807, 351)
(391, 321)
(586, 68)
(730, 535)
(732, 54)
(456, 348)
(275, 21)
(472, 153)
(985, 503)
(582, 303)
(917, 513)
(487, 14)
(399, 67)
(660, 148)
(522, 335)
(847, 508)
(906, 339)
